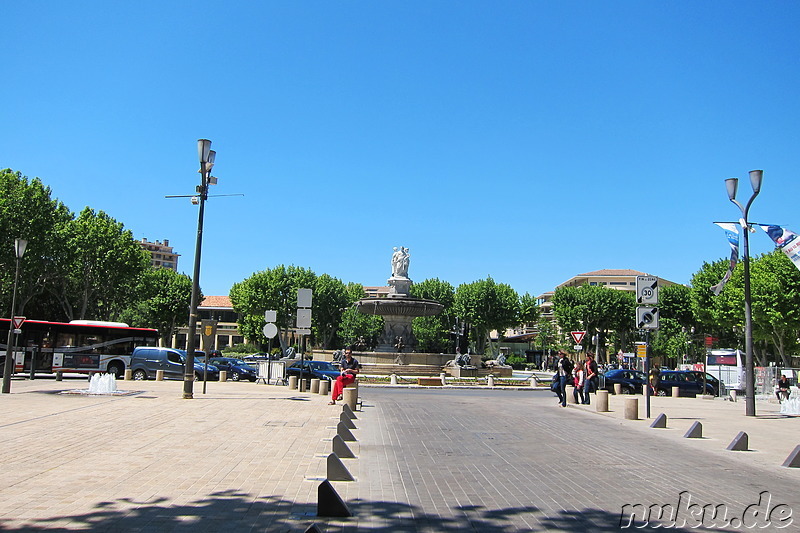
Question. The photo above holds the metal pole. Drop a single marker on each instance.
(750, 396)
(8, 368)
(647, 374)
(188, 373)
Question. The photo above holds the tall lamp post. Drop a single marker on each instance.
(206, 155)
(732, 185)
(19, 251)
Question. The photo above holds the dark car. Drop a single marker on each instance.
(632, 381)
(236, 368)
(200, 366)
(686, 382)
(711, 380)
(313, 369)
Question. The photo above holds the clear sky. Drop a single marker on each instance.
(526, 140)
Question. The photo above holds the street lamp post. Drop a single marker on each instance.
(732, 185)
(19, 251)
(206, 156)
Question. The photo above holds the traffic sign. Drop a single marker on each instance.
(303, 331)
(641, 349)
(647, 317)
(646, 290)
(17, 321)
(577, 336)
(270, 330)
(304, 297)
(270, 316)
(303, 318)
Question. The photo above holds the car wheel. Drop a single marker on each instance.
(627, 390)
(116, 369)
(236, 376)
(662, 392)
(139, 375)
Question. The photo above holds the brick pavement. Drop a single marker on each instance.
(248, 457)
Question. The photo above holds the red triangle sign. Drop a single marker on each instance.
(577, 335)
(18, 321)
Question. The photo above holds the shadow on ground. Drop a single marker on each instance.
(237, 511)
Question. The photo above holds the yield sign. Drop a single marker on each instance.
(577, 335)
(18, 321)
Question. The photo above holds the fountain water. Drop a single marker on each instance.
(103, 384)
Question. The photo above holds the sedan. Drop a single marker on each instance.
(313, 369)
(632, 381)
(236, 368)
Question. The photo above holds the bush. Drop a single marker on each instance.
(517, 362)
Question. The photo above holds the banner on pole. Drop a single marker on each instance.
(732, 233)
(786, 240)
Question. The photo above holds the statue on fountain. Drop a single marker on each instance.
(400, 261)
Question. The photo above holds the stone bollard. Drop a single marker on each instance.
(315, 386)
(534, 382)
(128, 374)
(602, 401)
(302, 384)
(676, 392)
(292, 382)
(617, 388)
(323, 387)
(443, 377)
(350, 397)
(223, 375)
(490, 380)
(570, 392)
(159, 375)
(394, 379)
(630, 409)
(60, 375)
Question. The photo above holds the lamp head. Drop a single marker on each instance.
(755, 180)
(732, 184)
(19, 247)
(203, 148)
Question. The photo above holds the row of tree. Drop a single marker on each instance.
(81, 267)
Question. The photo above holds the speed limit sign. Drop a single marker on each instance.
(646, 290)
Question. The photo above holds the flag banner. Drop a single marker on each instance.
(786, 240)
(732, 232)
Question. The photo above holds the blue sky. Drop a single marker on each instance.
(529, 141)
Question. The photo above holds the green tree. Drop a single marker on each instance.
(487, 306)
(330, 301)
(163, 299)
(28, 211)
(715, 315)
(104, 266)
(270, 289)
(529, 312)
(676, 320)
(355, 325)
(433, 332)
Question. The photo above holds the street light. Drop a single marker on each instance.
(732, 184)
(19, 251)
(206, 156)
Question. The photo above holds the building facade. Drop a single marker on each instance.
(161, 254)
(217, 308)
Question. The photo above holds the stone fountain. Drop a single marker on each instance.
(399, 309)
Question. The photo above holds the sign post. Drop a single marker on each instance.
(647, 320)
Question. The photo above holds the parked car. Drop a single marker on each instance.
(236, 368)
(313, 369)
(686, 382)
(147, 360)
(200, 366)
(714, 382)
(632, 381)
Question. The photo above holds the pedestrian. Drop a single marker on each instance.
(564, 373)
(589, 377)
(655, 379)
(782, 388)
(350, 368)
(579, 381)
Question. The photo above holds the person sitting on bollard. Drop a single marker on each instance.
(782, 389)
(350, 367)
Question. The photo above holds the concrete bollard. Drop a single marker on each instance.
(570, 392)
(302, 384)
(323, 387)
(676, 392)
(315, 386)
(159, 375)
(602, 401)
(292, 382)
(630, 408)
(394, 379)
(443, 377)
(60, 376)
(490, 380)
(617, 388)
(223, 375)
(534, 382)
(128, 375)
(350, 397)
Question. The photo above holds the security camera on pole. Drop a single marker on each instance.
(647, 320)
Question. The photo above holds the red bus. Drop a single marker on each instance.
(82, 346)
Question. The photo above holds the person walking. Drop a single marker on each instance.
(564, 373)
(579, 381)
(589, 377)
(350, 367)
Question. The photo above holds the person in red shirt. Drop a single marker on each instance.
(350, 368)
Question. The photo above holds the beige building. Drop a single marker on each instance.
(218, 308)
(161, 254)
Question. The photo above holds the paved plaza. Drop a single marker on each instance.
(250, 457)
